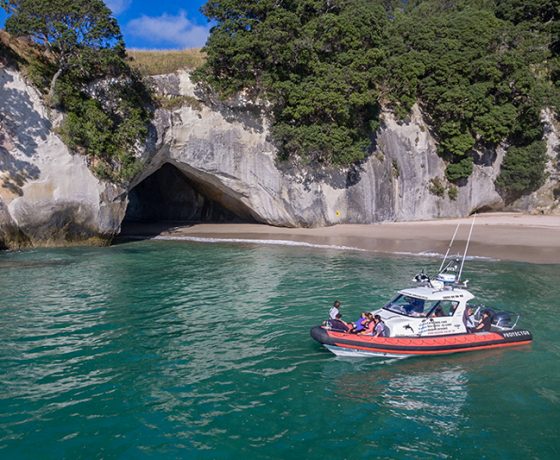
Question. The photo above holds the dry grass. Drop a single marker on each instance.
(29, 58)
(157, 62)
(16, 50)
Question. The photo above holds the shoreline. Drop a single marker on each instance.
(502, 236)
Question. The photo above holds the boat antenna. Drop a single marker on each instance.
(466, 249)
(449, 247)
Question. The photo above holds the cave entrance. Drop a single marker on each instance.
(170, 197)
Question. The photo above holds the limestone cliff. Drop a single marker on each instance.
(225, 150)
(48, 196)
(229, 171)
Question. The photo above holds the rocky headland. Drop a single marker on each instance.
(207, 160)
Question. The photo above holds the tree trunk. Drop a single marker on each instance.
(50, 96)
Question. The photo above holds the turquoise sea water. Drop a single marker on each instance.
(183, 350)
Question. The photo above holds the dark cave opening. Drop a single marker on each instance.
(169, 197)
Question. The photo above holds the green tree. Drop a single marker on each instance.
(474, 73)
(9, 5)
(80, 34)
(318, 63)
(84, 70)
(522, 170)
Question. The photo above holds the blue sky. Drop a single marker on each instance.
(158, 24)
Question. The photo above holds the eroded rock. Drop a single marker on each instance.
(49, 196)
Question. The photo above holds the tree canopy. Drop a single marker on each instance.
(81, 34)
(83, 46)
(481, 71)
(317, 62)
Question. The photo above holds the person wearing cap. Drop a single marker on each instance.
(334, 310)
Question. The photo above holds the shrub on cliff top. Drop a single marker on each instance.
(475, 75)
(480, 70)
(80, 34)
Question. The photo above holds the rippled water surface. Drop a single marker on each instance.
(186, 350)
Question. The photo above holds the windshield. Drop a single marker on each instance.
(412, 306)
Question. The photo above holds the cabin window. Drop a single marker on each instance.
(409, 306)
(443, 308)
(413, 306)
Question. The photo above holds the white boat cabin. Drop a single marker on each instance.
(426, 311)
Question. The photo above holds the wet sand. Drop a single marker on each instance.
(504, 236)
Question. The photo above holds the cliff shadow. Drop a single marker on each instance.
(250, 114)
(21, 126)
(20, 119)
(19, 171)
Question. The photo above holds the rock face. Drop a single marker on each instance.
(225, 151)
(47, 195)
(228, 171)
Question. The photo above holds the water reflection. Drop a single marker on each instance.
(428, 392)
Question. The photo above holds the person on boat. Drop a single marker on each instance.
(362, 324)
(375, 328)
(334, 310)
(379, 330)
(485, 323)
(338, 325)
(414, 307)
(438, 312)
(468, 319)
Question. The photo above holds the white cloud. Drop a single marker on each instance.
(168, 30)
(118, 6)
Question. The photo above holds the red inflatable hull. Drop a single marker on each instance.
(414, 346)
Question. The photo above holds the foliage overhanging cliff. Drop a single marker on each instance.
(482, 71)
(82, 70)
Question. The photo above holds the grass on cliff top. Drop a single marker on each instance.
(157, 62)
(15, 51)
(34, 62)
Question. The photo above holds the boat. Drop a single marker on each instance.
(429, 318)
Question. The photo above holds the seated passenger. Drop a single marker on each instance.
(376, 328)
(369, 324)
(380, 330)
(361, 324)
(485, 323)
(438, 312)
(338, 325)
(415, 307)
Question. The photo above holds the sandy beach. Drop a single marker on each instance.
(503, 236)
